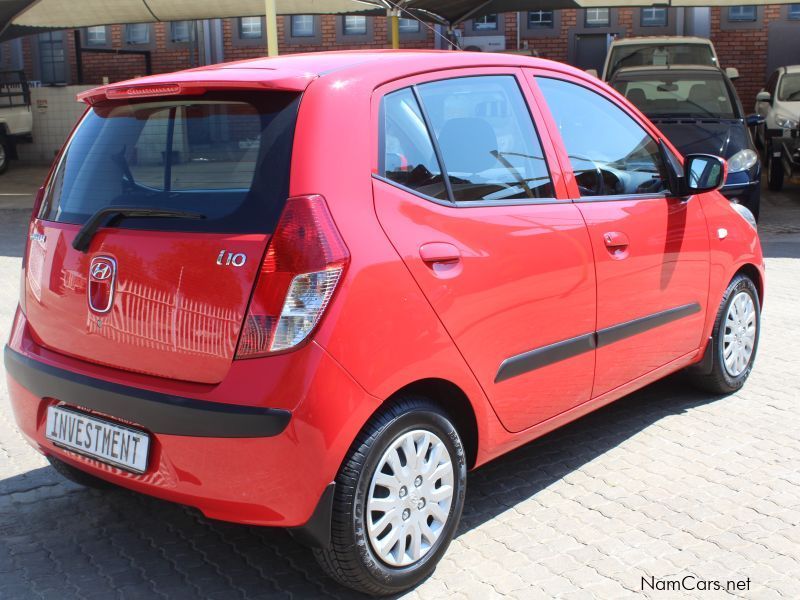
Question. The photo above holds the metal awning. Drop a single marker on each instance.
(22, 17)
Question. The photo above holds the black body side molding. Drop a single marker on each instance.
(552, 353)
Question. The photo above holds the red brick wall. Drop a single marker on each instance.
(557, 47)
(553, 48)
(327, 40)
(745, 49)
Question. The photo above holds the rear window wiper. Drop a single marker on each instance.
(112, 214)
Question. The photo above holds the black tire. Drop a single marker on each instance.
(78, 476)
(5, 154)
(774, 173)
(350, 558)
(753, 202)
(718, 380)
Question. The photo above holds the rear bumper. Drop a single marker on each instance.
(246, 464)
(154, 411)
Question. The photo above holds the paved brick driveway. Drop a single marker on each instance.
(666, 483)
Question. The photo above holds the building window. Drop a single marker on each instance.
(96, 36)
(540, 18)
(742, 13)
(180, 31)
(794, 12)
(137, 33)
(355, 25)
(302, 26)
(409, 25)
(485, 23)
(597, 17)
(250, 28)
(654, 17)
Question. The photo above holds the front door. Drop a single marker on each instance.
(651, 250)
(503, 257)
(590, 51)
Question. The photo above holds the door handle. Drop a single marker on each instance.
(439, 252)
(615, 239)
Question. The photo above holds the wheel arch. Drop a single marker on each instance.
(753, 273)
(455, 402)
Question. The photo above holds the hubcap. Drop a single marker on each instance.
(740, 334)
(2, 155)
(409, 498)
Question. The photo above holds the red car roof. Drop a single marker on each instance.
(295, 72)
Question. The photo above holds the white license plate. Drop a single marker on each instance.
(108, 442)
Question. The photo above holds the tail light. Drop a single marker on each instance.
(300, 272)
(37, 203)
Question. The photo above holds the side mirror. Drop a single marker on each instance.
(703, 173)
(763, 96)
(755, 119)
(732, 72)
(592, 72)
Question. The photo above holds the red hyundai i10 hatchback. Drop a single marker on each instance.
(314, 291)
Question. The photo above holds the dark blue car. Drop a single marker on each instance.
(698, 110)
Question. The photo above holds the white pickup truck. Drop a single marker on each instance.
(660, 51)
(16, 119)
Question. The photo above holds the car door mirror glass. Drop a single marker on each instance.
(703, 172)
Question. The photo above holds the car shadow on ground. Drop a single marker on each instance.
(62, 540)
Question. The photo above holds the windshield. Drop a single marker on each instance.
(790, 88)
(226, 157)
(640, 55)
(679, 96)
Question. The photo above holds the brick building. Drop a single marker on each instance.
(753, 39)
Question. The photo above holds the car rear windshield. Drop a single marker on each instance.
(226, 157)
(640, 55)
(674, 95)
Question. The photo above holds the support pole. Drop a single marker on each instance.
(271, 17)
(394, 17)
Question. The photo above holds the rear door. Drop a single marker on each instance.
(468, 196)
(161, 296)
(651, 249)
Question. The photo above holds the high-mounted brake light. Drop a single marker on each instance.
(140, 91)
(303, 265)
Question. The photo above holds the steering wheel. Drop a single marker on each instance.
(599, 188)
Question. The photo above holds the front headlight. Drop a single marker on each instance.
(742, 160)
(745, 213)
(785, 122)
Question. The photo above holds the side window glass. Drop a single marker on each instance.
(487, 140)
(609, 152)
(408, 157)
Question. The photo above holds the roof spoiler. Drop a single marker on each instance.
(196, 84)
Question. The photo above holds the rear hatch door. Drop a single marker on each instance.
(191, 188)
